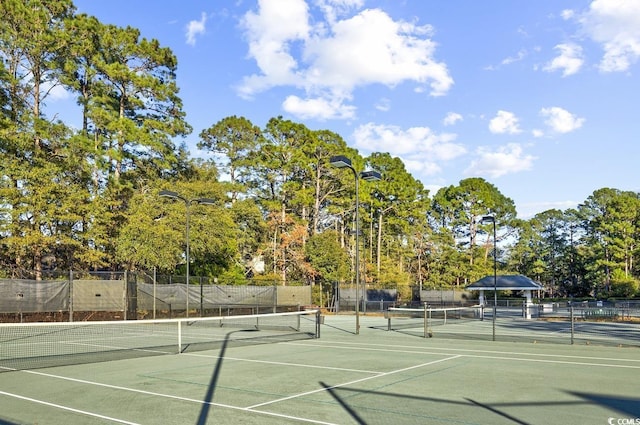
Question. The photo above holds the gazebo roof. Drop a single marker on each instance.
(505, 282)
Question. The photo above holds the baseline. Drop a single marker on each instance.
(67, 408)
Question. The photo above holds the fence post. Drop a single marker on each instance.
(572, 322)
(125, 288)
(425, 321)
(71, 295)
(155, 278)
(275, 299)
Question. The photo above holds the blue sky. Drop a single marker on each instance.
(539, 97)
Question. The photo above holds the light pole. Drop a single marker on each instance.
(492, 219)
(187, 203)
(341, 161)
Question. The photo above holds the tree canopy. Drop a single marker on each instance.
(88, 198)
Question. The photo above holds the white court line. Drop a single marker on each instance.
(170, 396)
(59, 406)
(563, 362)
(251, 409)
(456, 353)
(353, 382)
(498, 355)
(308, 366)
(451, 351)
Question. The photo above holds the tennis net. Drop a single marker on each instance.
(424, 319)
(37, 345)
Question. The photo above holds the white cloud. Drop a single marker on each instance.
(55, 92)
(511, 59)
(420, 149)
(420, 167)
(615, 24)
(433, 189)
(522, 53)
(334, 8)
(504, 122)
(319, 108)
(569, 61)
(567, 14)
(195, 28)
(334, 56)
(271, 33)
(561, 120)
(372, 48)
(452, 118)
(508, 159)
(529, 209)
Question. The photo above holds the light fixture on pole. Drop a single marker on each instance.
(187, 203)
(341, 161)
(492, 219)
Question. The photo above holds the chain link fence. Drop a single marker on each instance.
(130, 296)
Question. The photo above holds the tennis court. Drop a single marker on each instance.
(379, 376)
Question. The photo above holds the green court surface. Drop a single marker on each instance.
(375, 377)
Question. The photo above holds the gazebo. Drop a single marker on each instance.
(506, 283)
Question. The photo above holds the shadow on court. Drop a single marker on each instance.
(226, 343)
(208, 398)
(623, 405)
(338, 328)
(628, 406)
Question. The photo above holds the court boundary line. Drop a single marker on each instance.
(413, 347)
(308, 366)
(454, 353)
(496, 357)
(250, 409)
(162, 395)
(71, 409)
(382, 374)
